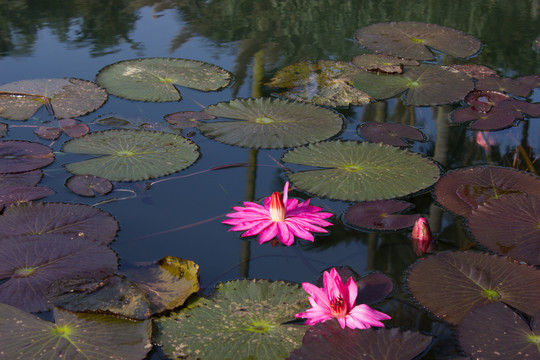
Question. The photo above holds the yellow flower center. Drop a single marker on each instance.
(277, 208)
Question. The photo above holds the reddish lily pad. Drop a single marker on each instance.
(48, 133)
(390, 133)
(532, 81)
(19, 194)
(77, 220)
(474, 70)
(73, 336)
(382, 63)
(412, 39)
(89, 185)
(28, 178)
(510, 226)
(483, 100)
(18, 156)
(30, 263)
(187, 119)
(328, 341)
(451, 284)
(495, 119)
(494, 331)
(507, 85)
(63, 97)
(73, 128)
(464, 189)
(380, 215)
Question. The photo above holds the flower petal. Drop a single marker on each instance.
(269, 233)
(362, 316)
(352, 292)
(317, 294)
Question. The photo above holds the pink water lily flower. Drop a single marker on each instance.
(337, 300)
(282, 218)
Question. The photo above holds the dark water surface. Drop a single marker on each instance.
(181, 217)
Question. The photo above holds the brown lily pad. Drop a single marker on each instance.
(390, 133)
(187, 119)
(18, 156)
(380, 215)
(508, 85)
(19, 194)
(89, 185)
(382, 63)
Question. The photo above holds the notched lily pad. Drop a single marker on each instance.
(509, 226)
(412, 40)
(270, 123)
(360, 171)
(380, 215)
(390, 133)
(89, 185)
(187, 119)
(72, 336)
(322, 82)
(131, 155)
(243, 319)
(18, 156)
(382, 63)
(424, 85)
(153, 79)
(63, 98)
(451, 284)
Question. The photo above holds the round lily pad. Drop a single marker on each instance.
(451, 284)
(322, 82)
(382, 63)
(411, 40)
(18, 194)
(131, 155)
(244, 319)
(76, 220)
(380, 215)
(30, 263)
(64, 98)
(48, 133)
(187, 119)
(18, 156)
(73, 336)
(509, 225)
(390, 133)
(507, 85)
(27, 178)
(495, 119)
(153, 79)
(270, 123)
(73, 128)
(464, 189)
(89, 185)
(328, 341)
(494, 331)
(425, 85)
(360, 171)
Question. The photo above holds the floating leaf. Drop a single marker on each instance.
(328, 341)
(390, 133)
(532, 81)
(412, 39)
(494, 331)
(30, 263)
(153, 79)
(510, 226)
(451, 284)
(495, 119)
(244, 319)
(66, 97)
(72, 336)
(425, 85)
(76, 220)
(382, 63)
(483, 100)
(131, 155)
(270, 123)
(476, 184)
(18, 156)
(507, 85)
(28, 178)
(89, 185)
(380, 215)
(48, 133)
(474, 70)
(360, 171)
(320, 82)
(18, 194)
(186, 119)
(73, 128)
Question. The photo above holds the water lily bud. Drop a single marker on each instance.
(421, 236)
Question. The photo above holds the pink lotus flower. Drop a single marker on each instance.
(279, 218)
(421, 236)
(337, 300)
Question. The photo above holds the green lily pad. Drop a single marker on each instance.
(72, 336)
(360, 171)
(131, 155)
(18, 156)
(244, 319)
(322, 82)
(76, 220)
(270, 123)
(29, 264)
(153, 79)
(424, 85)
(494, 331)
(451, 284)
(328, 341)
(509, 226)
(412, 40)
(64, 98)
(382, 63)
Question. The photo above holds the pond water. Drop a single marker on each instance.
(182, 216)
